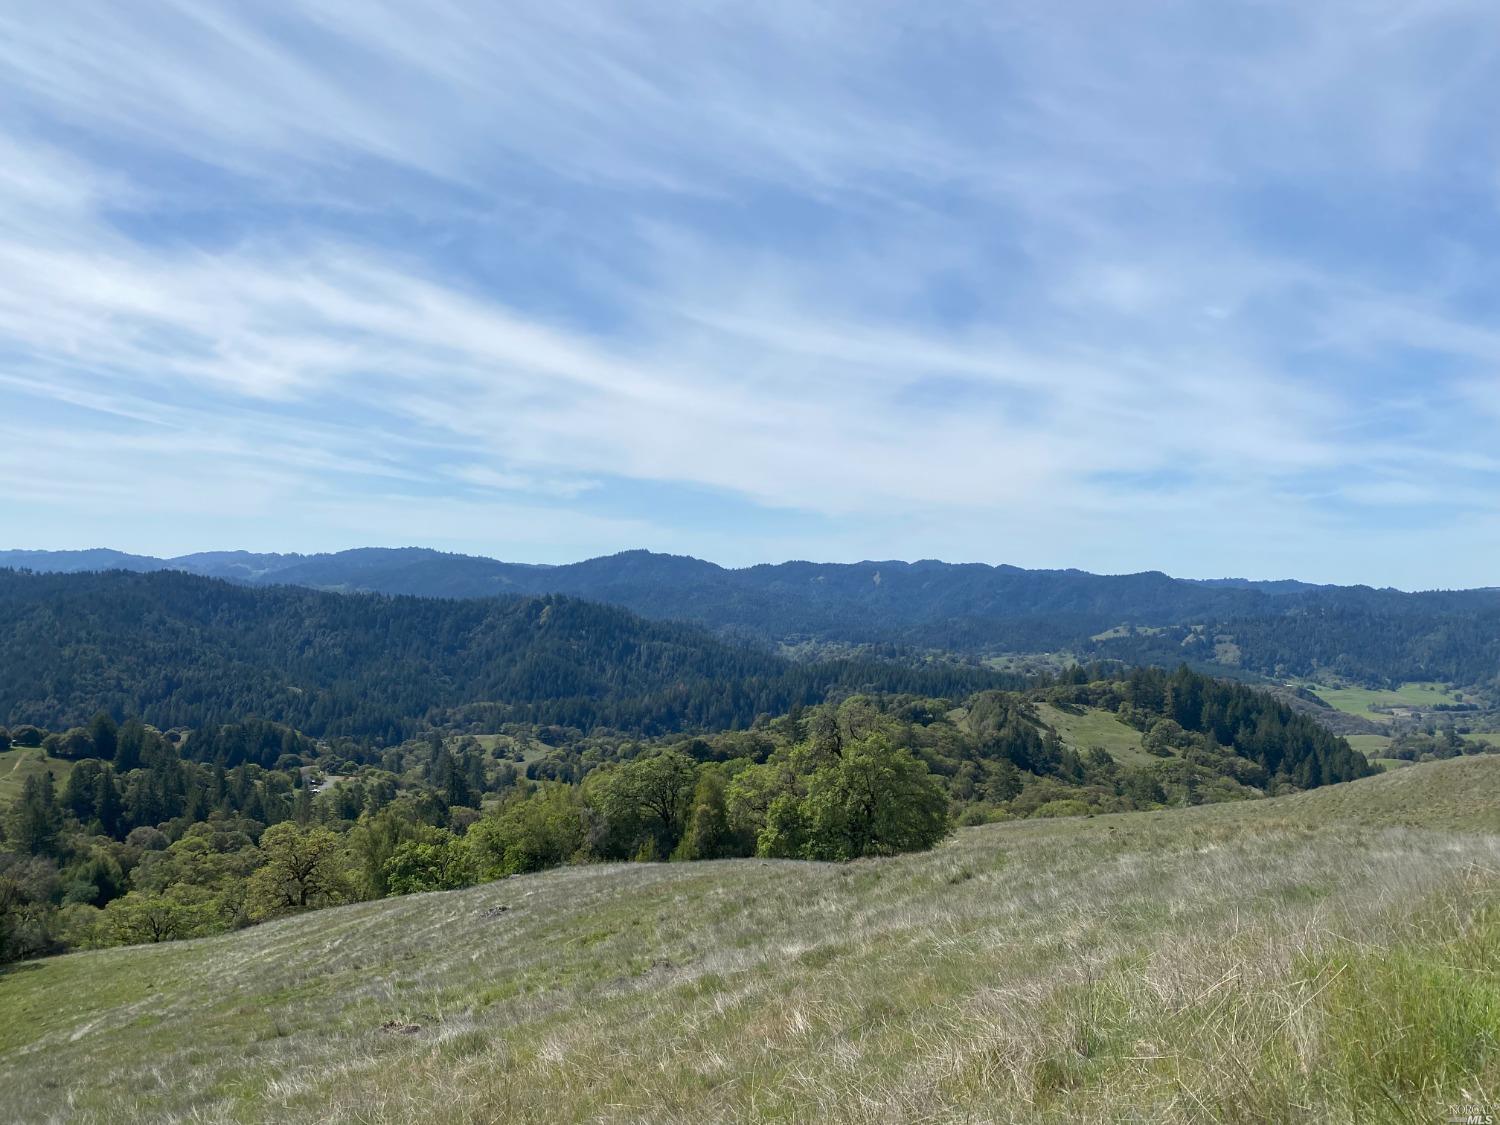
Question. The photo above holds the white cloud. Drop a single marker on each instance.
(986, 279)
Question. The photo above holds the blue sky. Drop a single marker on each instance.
(1203, 287)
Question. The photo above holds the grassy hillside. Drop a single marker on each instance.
(1369, 703)
(1086, 728)
(1326, 956)
(19, 763)
(1370, 745)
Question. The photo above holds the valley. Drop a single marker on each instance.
(316, 854)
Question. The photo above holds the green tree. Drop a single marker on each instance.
(106, 805)
(375, 838)
(104, 735)
(708, 834)
(75, 744)
(529, 833)
(645, 802)
(783, 834)
(35, 821)
(302, 868)
(439, 865)
(81, 790)
(874, 799)
(142, 917)
(130, 743)
(749, 796)
(28, 886)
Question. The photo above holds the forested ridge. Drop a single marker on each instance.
(1376, 636)
(180, 650)
(1361, 645)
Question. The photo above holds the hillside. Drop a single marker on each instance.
(175, 649)
(1270, 628)
(1325, 956)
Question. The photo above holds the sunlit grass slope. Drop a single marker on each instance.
(1362, 701)
(1085, 728)
(1329, 956)
(21, 762)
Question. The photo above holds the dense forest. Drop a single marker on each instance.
(179, 650)
(133, 834)
(1373, 636)
(1376, 648)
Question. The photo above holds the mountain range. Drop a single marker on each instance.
(972, 608)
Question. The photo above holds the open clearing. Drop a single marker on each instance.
(1085, 729)
(19, 763)
(1328, 956)
(1362, 701)
(1370, 745)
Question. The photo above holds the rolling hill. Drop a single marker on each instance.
(1324, 956)
(1269, 628)
(176, 649)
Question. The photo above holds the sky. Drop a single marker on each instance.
(1211, 288)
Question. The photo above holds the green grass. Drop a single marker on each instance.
(1089, 728)
(1328, 956)
(1124, 631)
(488, 742)
(1030, 663)
(1361, 701)
(17, 764)
(1370, 745)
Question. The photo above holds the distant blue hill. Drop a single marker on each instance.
(963, 607)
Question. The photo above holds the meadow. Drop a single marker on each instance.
(1327, 956)
(19, 763)
(1087, 728)
(1363, 701)
(1372, 746)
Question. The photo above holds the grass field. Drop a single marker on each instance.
(1370, 745)
(1362, 701)
(1328, 956)
(488, 743)
(1091, 728)
(16, 765)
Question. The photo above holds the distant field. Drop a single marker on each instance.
(1360, 701)
(1029, 663)
(1327, 956)
(1370, 745)
(1098, 728)
(1124, 631)
(19, 764)
(488, 742)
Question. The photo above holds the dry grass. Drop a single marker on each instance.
(1329, 956)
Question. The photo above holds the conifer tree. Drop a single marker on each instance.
(35, 821)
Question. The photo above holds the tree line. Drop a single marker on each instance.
(180, 651)
(148, 835)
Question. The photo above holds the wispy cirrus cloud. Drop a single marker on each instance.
(1203, 289)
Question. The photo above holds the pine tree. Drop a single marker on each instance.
(105, 735)
(35, 822)
(108, 807)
